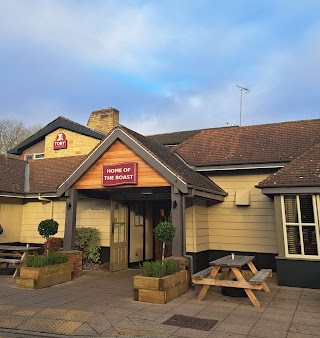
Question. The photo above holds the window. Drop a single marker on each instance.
(37, 156)
(301, 225)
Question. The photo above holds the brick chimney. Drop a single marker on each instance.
(104, 120)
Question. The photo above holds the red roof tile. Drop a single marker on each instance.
(267, 143)
(11, 174)
(304, 170)
(46, 175)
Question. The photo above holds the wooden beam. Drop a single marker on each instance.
(176, 213)
(70, 222)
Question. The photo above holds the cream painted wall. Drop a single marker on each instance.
(10, 219)
(197, 226)
(95, 213)
(242, 228)
(90, 213)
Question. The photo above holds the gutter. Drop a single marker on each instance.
(44, 201)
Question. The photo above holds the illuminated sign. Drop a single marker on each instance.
(60, 142)
(119, 174)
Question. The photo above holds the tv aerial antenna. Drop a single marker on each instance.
(246, 90)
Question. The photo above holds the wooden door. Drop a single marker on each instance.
(119, 237)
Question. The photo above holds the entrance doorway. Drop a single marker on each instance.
(119, 237)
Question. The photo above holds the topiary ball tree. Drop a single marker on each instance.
(47, 228)
(164, 232)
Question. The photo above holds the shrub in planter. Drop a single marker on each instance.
(87, 240)
(164, 232)
(159, 269)
(45, 270)
(47, 228)
(51, 258)
(160, 282)
(53, 244)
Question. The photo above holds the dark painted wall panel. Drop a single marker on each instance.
(298, 273)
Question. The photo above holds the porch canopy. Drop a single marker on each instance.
(159, 169)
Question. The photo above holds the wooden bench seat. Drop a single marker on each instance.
(9, 254)
(11, 261)
(260, 276)
(203, 273)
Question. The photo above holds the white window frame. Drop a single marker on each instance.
(34, 156)
(316, 212)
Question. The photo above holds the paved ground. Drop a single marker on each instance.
(100, 304)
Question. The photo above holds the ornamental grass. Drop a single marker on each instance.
(52, 258)
(159, 269)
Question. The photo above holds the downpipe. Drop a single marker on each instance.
(184, 252)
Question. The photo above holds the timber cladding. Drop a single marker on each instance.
(120, 153)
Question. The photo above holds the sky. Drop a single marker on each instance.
(166, 65)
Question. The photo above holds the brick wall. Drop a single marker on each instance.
(78, 144)
(75, 257)
(104, 119)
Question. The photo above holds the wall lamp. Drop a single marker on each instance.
(174, 204)
(146, 192)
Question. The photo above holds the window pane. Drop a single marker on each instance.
(309, 240)
(291, 209)
(306, 208)
(294, 246)
(116, 233)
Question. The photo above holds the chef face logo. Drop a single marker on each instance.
(60, 142)
(61, 137)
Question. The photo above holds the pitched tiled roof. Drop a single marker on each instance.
(174, 163)
(173, 138)
(303, 171)
(267, 143)
(47, 174)
(60, 122)
(11, 175)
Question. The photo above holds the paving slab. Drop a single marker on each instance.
(100, 304)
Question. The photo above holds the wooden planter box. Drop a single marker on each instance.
(37, 278)
(160, 290)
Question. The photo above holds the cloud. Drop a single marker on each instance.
(169, 65)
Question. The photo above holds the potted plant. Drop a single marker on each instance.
(47, 228)
(49, 269)
(161, 281)
(164, 232)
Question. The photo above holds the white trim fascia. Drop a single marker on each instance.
(241, 166)
(28, 196)
(139, 145)
(83, 163)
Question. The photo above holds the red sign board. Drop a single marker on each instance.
(60, 142)
(119, 174)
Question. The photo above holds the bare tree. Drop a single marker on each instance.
(13, 132)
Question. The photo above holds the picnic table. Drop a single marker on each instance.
(231, 265)
(16, 255)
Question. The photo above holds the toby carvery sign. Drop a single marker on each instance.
(119, 174)
(60, 142)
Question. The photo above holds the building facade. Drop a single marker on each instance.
(252, 190)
